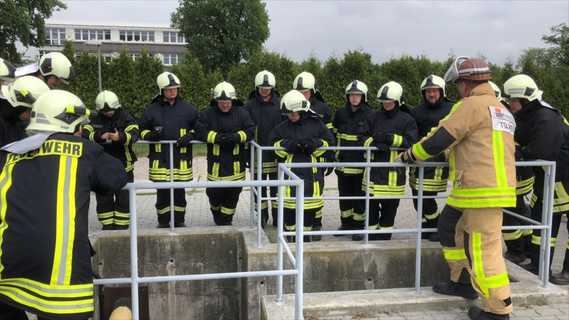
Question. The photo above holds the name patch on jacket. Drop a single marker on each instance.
(53, 148)
(502, 119)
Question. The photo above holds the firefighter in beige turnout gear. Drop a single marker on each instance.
(479, 133)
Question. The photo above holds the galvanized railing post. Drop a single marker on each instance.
(172, 224)
(549, 218)
(367, 172)
(251, 189)
(133, 251)
(259, 194)
(280, 244)
(419, 231)
(299, 297)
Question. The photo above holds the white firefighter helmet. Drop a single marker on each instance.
(497, 90)
(294, 101)
(356, 87)
(107, 101)
(391, 91)
(55, 64)
(58, 111)
(167, 80)
(24, 91)
(433, 81)
(224, 91)
(265, 79)
(304, 81)
(522, 86)
(7, 70)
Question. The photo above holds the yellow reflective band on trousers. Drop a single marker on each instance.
(536, 240)
(5, 184)
(65, 221)
(452, 254)
(483, 282)
(561, 199)
(74, 306)
(524, 186)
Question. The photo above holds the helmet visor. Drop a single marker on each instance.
(451, 76)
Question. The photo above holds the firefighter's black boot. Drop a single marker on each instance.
(475, 313)
(463, 288)
(316, 237)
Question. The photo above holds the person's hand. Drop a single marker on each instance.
(310, 145)
(113, 136)
(185, 140)
(407, 156)
(292, 146)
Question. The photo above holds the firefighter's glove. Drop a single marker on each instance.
(233, 138)
(310, 145)
(292, 146)
(153, 135)
(407, 157)
(185, 140)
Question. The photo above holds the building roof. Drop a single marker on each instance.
(114, 26)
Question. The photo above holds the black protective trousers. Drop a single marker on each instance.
(7, 312)
(351, 210)
(223, 203)
(163, 206)
(113, 209)
(516, 239)
(382, 216)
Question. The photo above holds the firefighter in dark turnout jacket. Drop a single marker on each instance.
(435, 107)
(264, 109)
(352, 127)
(116, 130)
(45, 265)
(306, 84)
(543, 133)
(16, 99)
(389, 128)
(169, 117)
(516, 239)
(299, 139)
(226, 126)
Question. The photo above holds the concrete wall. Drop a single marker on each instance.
(188, 251)
(329, 266)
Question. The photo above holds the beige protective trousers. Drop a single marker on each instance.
(477, 247)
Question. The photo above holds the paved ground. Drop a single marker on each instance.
(198, 214)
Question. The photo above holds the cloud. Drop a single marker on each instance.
(500, 30)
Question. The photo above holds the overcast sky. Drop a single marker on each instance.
(499, 30)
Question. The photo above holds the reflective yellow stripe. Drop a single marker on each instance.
(128, 136)
(452, 254)
(242, 136)
(211, 137)
(432, 216)
(347, 137)
(227, 211)
(65, 219)
(359, 217)
(481, 202)
(5, 184)
(67, 291)
(329, 125)
(104, 215)
(235, 177)
(90, 131)
(484, 283)
(397, 140)
(48, 306)
(392, 179)
(280, 152)
(346, 213)
(484, 192)
(143, 133)
(319, 152)
(183, 133)
(420, 152)
(498, 155)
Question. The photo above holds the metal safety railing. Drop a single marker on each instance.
(135, 279)
(544, 224)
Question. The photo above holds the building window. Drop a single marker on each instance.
(136, 36)
(169, 59)
(173, 37)
(55, 36)
(92, 34)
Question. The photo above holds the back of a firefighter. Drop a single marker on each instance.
(479, 133)
(45, 265)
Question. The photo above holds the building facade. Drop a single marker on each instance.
(167, 44)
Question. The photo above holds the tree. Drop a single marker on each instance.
(23, 21)
(221, 33)
(560, 40)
